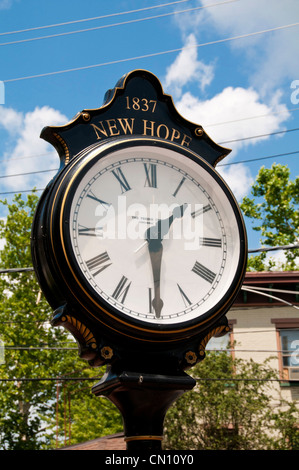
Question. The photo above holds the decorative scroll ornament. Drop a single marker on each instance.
(82, 331)
(218, 331)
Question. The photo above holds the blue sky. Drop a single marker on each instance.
(231, 66)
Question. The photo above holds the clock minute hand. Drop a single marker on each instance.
(154, 236)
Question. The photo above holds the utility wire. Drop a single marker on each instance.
(136, 20)
(234, 379)
(220, 143)
(15, 270)
(199, 379)
(273, 248)
(49, 154)
(29, 173)
(155, 54)
(221, 164)
(94, 18)
(249, 289)
(40, 348)
(284, 351)
(258, 136)
(21, 191)
(283, 291)
(51, 379)
(260, 158)
(273, 113)
(282, 247)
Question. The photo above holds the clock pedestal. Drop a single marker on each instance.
(143, 400)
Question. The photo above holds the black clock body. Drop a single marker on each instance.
(103, 286)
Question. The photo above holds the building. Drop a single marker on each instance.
(264, 322)
(107, 443)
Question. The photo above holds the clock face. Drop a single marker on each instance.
(153, 232)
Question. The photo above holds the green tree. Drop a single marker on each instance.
(29, 417)
(227, 410)
(274, 211)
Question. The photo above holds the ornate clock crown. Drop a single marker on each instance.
(136, 106)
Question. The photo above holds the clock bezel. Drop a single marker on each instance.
(78, 291)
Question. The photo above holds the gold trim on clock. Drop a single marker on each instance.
(82, 330)
(106, 146)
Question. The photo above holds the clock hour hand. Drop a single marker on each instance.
(161, 228)
(156, 250)
(154, 236)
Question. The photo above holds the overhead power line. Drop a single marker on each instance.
(221, 164)
(273, 248)
(20, 192)
(249, 289)
(269, 134)
(270, 289)
(289, 110)
(259, 158)
(259, 136)
(51, 379)
(48, 154)
(40, 348)
(95, 18)
(136, 20)
(76, 379)
(28, 173)
(155, 54)
(238, 350)
(15, 270)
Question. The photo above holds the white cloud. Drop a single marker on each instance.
(223, 116)
(187, 68)
(5, 4)
(270, 57)
(238, 178)
(10, 120)
(24, 143)
(238, 112)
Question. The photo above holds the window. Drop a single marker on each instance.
(287, 332)
(290, 347)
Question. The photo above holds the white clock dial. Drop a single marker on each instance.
(154, 234)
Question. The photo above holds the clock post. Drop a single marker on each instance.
(139, 247)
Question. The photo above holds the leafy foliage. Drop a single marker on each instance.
(274, 211)
(29, 417)
(46, 414)
(230, 409)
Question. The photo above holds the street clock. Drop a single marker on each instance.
(138, 243)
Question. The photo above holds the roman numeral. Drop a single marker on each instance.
(184, 297)
(124, 185)
(91, 195)
(214, 242)
(151, 175)
(179, 186)
(121, 290)
(86, 231)
(200, 211)
(98, 262)
(204, 272)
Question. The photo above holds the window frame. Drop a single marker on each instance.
(280, 325)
